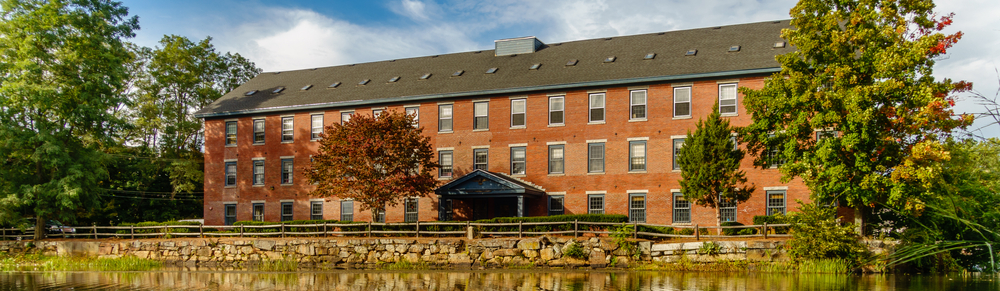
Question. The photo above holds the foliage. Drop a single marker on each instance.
(37, 262)
(574, 250)
(568, 218)
(862, 72)
(773, 219)
(710, 248)
(622, 235)
(377, 161)
(735, 231)
(710, 162)
(158, 230)
(816, 234)
(62, 66)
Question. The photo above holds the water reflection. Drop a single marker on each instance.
(479, 281)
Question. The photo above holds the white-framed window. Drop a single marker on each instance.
(637, 207)
(678, 144)
(727, 99)
(415, 112)
(557, 160)
(481, 115)
(445, 117)
(774, 157)
(682, 209)
(258, 131)
(597, 107)
(775, 202)
(481, 159)
(727, 210)
(517, 160)
(449, 210)
(638, 105)
(825, 134)
(286, 211)
(258, 212)
(518, 112)
(258, 172)
(316, 210)
(230, 213)
(230, 133)
(230, 174)
(345, 117)
(557, 109)
(377, 112)
(287, 129)
(380, 215)
(411, 208)
(595, 204)
(445, 159)
(287, 170)
(347, 210)
(682, 102)
(317, 126)
(557, 205)
(595, 157)
(637, 155)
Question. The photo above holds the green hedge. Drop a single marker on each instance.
(773, 219)
(156, 223)
(567, 218)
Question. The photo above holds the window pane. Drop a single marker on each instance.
(682, 209)
(286, 211)
(345, 117)
(444, 158)
(678, 143)
(347, 210)
(482, 108)
(637, 156)
(415, 112)
(517, 106)
(556, 104)
(480, 159)
(317, 126)
(517, 119)
(556, 117)
(258, 131)
(638, 104)
(596, 158)
(556, 159)
(231, 133)
(517, 160)
(597, 101)
(286, 171)
(682, 109)
(727, 98)
(637, 208)
(638, 97)
(596, 205)
(444, 118)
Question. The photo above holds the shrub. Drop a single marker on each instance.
(574, 250)
(732, 231)
(817, 235)
(157, 230)
(773, 219)
(686, 231)
(568, 218)
(709, 248)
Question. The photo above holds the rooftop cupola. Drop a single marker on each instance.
(520, 45)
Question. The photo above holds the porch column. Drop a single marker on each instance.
(441, 209)
(520, 206)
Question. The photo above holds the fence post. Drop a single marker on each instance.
(324, 228)
(241, 230)
(201, 230)
(520, 228)
(635, 230)
(765, 230)
(131, 230)
(576, 228)
(697, 233)
(418, 228)
(164, 231)
(94, 227)
(4, 237)
(369, 229)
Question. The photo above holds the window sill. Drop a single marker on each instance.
(557, 175)
(478, 130)
(682, 224)
(258, 143)
(729, 114)
(444, 178)
(518, 175)
(675, 171)
(257, 186)
(285, 185)
(637, 120)
(557, 125)
(314, 140)
(445, 132)
(601, 173)
(230, 146)
(287, 142)
(636, 172)
(682, 117)
(518, 127)
(596, 122)
(229, 187)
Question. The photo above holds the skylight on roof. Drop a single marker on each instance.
(649, 56)
(458, 73)
(251, 92)
(394, 79)
(334, 85)
(779, 44)
(491, 70)
(365, 81)
(691, 52)
(306, 87)
(610, 59)
(535, 67)
(734, 48)
(425, 76)
(571, 62)
(276, 91)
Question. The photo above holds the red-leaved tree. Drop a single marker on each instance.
(377, 161)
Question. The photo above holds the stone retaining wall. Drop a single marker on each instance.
(447, 253)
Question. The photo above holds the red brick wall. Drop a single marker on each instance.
(658, 180)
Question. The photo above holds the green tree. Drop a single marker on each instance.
(710, 162)
(377, 161)
(855, 110)
(62, 67)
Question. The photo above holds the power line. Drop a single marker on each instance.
(151, 192)
(151, 198)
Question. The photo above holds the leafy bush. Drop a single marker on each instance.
(710, 248)
(818, 235)
(574, 250)
(157, 230)
(733, 231)
(568, 218)
(773, 219)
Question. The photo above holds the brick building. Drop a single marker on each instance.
(526, 129)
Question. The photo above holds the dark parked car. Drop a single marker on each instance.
(53, 227)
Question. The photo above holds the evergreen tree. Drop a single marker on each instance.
(710, 162)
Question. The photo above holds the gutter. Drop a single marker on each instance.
(515, 90)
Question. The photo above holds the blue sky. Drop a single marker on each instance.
(290, 35)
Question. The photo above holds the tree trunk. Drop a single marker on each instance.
(39, 228)
(859, 220)
(718, 219)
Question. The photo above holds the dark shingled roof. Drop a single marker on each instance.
(756, 55)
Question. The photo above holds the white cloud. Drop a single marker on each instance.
(413, 9)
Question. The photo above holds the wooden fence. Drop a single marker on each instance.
(417, 229)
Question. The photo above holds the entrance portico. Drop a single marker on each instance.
(491, 194)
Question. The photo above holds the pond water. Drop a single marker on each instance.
(481, 281)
